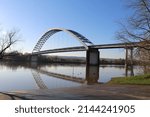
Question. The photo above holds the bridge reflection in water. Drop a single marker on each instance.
(91, 75)
(38, 80)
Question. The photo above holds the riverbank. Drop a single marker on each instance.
(85, 92)
(134, 80)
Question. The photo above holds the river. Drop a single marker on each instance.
(21, 76)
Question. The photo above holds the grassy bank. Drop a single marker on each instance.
(136, 80)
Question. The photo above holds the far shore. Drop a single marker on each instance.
(19, 57)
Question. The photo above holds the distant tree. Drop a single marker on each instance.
(6, 41)
(137, 27)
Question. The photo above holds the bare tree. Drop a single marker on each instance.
(137, 27)
(6, 41)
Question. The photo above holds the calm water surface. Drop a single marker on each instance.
(32, 76)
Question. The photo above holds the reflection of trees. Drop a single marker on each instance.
(9, 66)
(64, 64)
(111, 66)
(13, 65)
(18, 65)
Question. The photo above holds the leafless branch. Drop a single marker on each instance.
(7, 41)
(137, 27)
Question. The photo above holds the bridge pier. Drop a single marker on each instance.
(131, 56)
(92, 57)
(92, 66)
(129, 61)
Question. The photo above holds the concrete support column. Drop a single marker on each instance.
(126, 61)
(92, 66)
(126, 57)
(131, 56)
(129, 61)
(92, 57)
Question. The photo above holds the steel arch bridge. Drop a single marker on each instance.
(83, 40)
(92, 51)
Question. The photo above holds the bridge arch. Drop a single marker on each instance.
(83, 40)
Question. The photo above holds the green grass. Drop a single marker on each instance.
(136, 80)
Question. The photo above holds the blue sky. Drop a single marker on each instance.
(95, 19)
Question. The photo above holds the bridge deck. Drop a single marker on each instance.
(82, 48)
(117, 45)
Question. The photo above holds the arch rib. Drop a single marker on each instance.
(83, 40)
